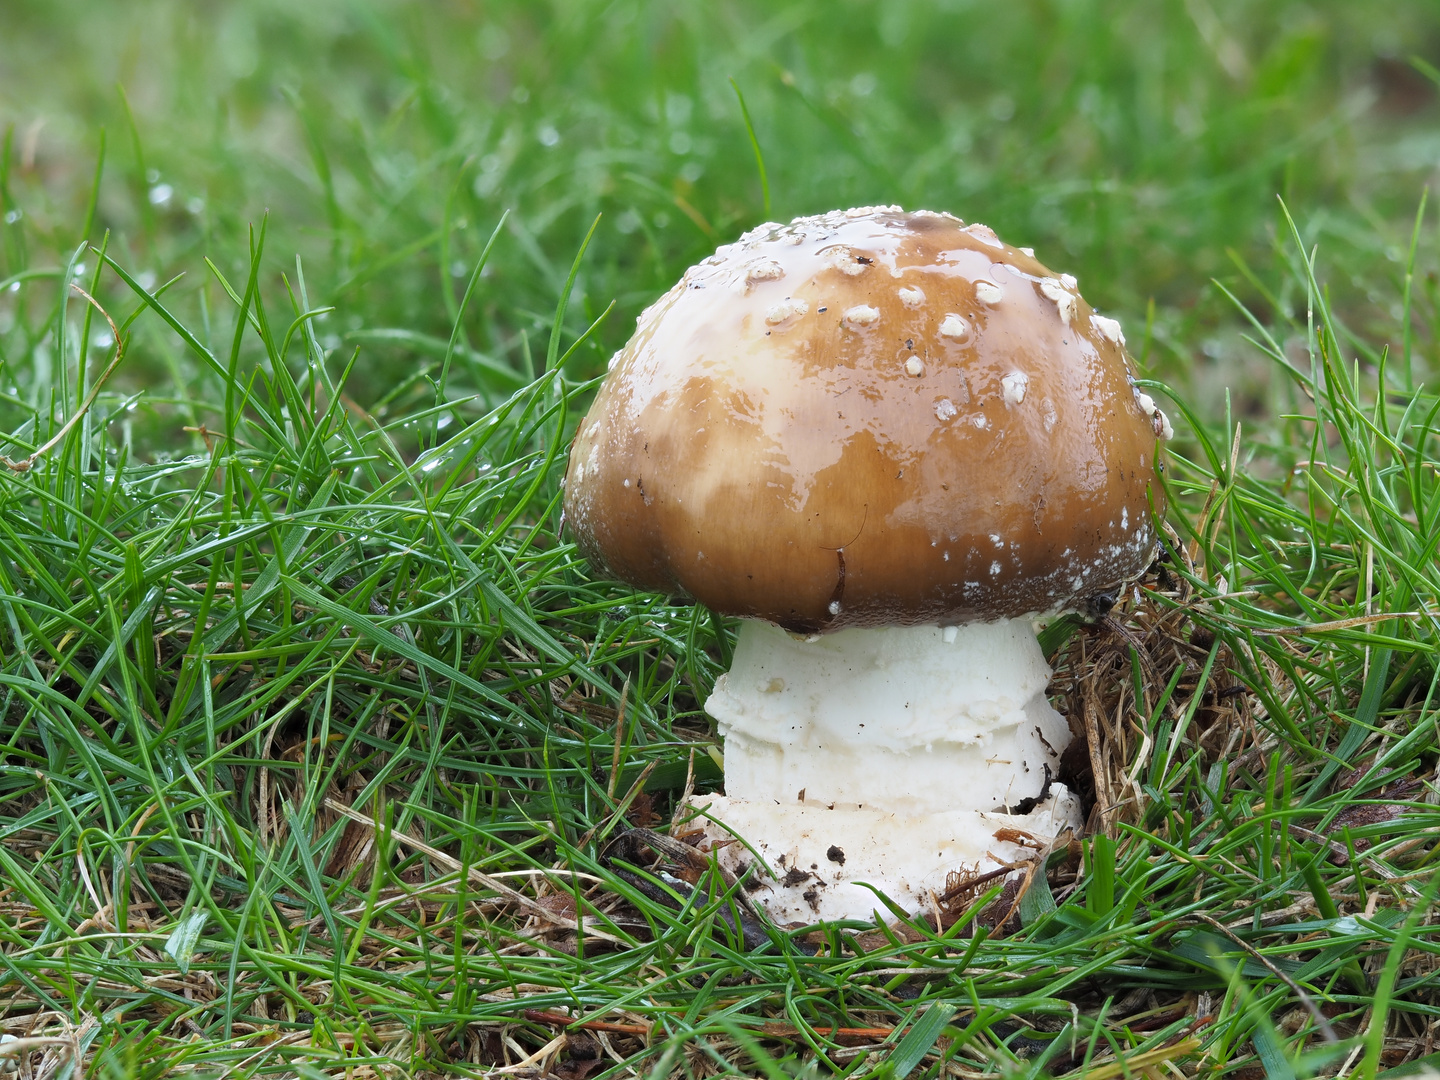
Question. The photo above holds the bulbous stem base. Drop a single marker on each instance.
(807, 863)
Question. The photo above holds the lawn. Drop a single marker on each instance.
(324, 753)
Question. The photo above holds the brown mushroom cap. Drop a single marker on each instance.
(869, 418)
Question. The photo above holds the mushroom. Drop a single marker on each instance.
(888, 442)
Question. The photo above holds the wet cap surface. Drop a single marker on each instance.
(869, 418)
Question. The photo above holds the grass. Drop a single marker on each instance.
(324, 754)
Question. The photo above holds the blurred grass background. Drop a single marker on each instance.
(1139, 145)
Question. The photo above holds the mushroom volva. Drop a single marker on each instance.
(889, 442)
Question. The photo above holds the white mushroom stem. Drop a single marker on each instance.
(909, 720)
(883, 759)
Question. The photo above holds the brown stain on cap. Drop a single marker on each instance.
(868, 418)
